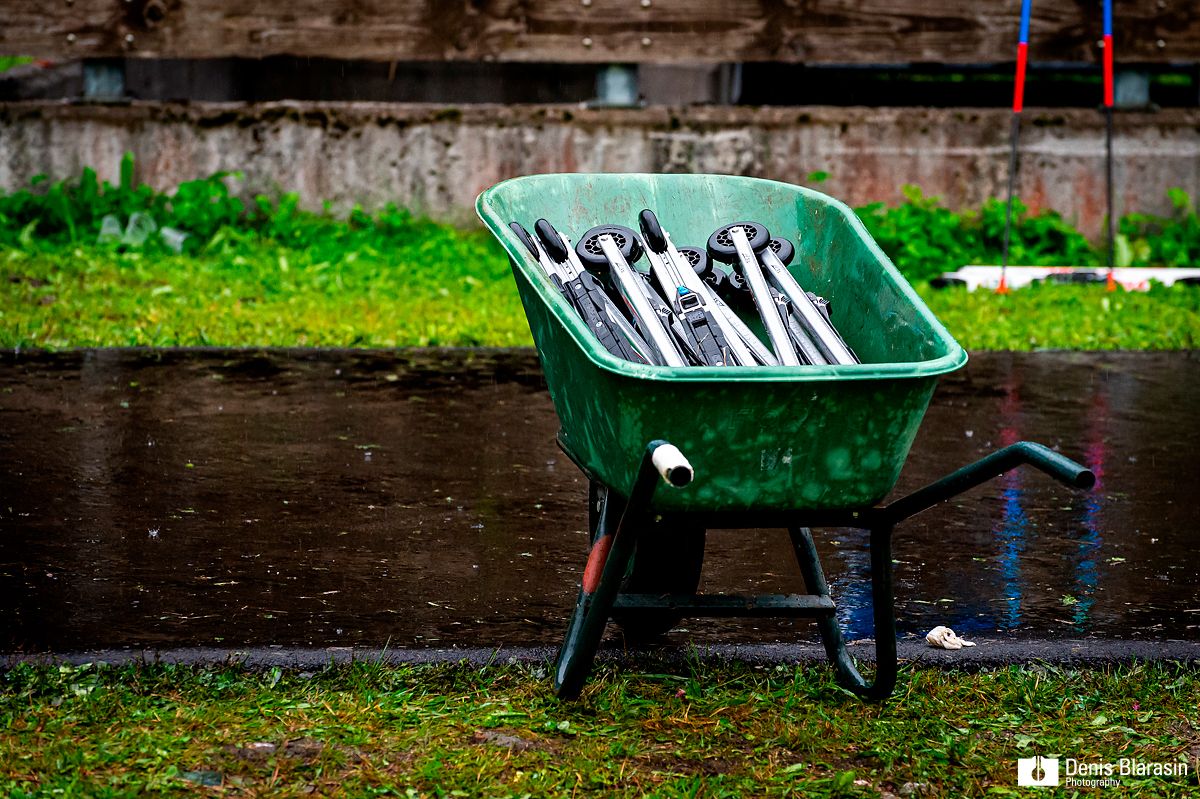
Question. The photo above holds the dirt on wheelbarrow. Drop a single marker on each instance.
(417, 499)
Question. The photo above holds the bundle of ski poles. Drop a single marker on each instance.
(685, 310)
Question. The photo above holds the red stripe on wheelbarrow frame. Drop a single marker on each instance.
(595, 563)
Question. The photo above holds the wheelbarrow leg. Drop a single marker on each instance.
(590, 617)
(882, 608)
(608, 562)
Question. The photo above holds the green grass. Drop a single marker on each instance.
(267, 273)
(705, 730)
(1070, 317)
(442, 287)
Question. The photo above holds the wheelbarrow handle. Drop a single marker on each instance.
(1058, 466)
(670, 463)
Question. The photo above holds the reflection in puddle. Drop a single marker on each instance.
(1087, 570)
(416, 498)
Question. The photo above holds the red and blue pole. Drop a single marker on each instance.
(1022, 57)
(1018, 104)
(1108, 55)
(1108, 135)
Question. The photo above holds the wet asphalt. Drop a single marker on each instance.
(301, 506)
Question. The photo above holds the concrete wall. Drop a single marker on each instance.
(435, 159)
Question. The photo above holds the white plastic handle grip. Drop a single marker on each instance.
(671, 464)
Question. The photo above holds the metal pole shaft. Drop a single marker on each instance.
(666, 274)
(1012, 180)
(806, 348)
(812, 320)
(594, 307)
(701, 327)
(1108, 158)
(1109, 56)
(692, 281)
(761, 293)
(625, 279)
(623, 326)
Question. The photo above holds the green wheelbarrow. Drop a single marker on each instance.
(673, 452)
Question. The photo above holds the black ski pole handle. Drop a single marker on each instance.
(525, 238)
(652, 231)
(551, 241)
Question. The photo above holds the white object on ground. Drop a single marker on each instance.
(945, 638)
(139, 229)
(110, 228)
(1131, 278)
(173, 238)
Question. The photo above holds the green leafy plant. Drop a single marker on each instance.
(268, 272)
(924, 238)
(1165, 241)
(921, 235)
(48, 215)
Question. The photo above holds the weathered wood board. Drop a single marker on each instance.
(598, 31)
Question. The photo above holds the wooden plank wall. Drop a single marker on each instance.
(599, 31)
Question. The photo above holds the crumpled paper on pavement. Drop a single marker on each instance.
(945, 638)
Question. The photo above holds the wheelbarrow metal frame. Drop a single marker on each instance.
(616, 539)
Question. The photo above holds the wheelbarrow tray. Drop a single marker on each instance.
(762, 438)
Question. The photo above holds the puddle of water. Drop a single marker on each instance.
(332, 498)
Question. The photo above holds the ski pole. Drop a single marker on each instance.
(828, 340)
(589, 297)
(733, 244)
(711, 285)
(1018, 104)
(1108, 137)
(612, 247)
(682, 289)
